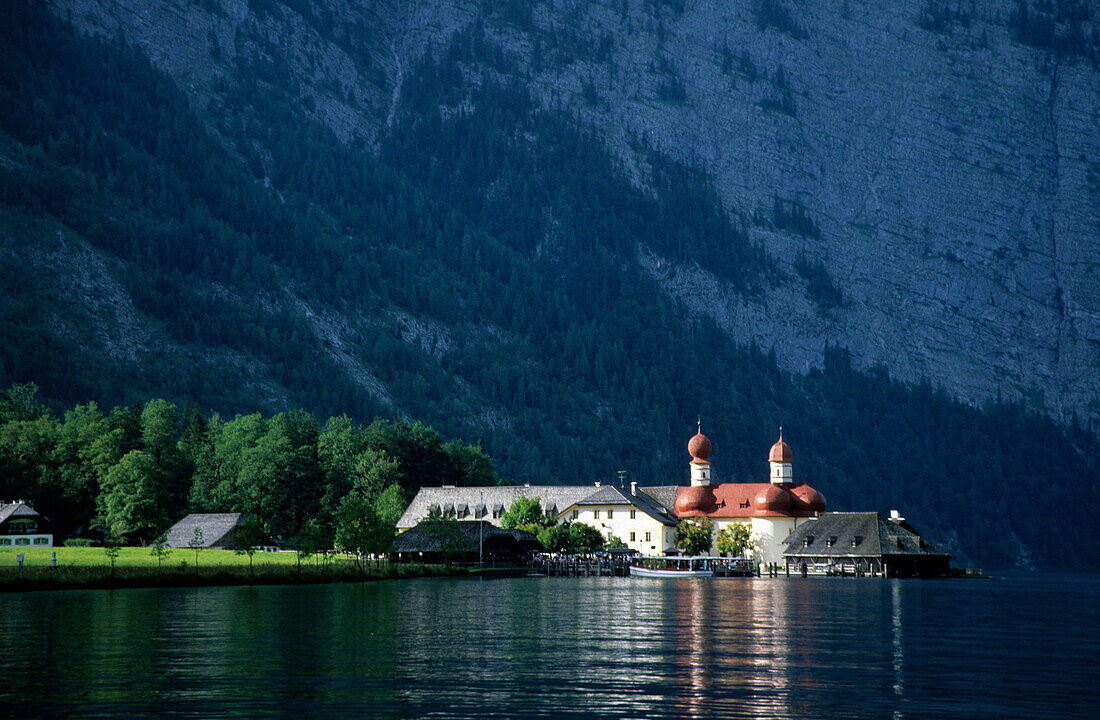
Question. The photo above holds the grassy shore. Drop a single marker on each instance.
(138, 567)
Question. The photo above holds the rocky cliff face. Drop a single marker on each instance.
(928, 185)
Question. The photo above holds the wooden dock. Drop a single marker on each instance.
(619, 566)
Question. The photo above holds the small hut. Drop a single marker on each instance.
(205, 530)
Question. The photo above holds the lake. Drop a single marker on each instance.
(1022, 645)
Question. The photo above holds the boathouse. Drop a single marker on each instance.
(857, 543)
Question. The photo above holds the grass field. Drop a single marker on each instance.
(90, 568)
(129, 557)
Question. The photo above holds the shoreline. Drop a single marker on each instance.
(36, 579)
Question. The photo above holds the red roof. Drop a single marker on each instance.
(745, 500)
(699, 447)
(780, 452)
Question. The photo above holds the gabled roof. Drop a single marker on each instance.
(611, 495)
(873, 535)
(18, 509)
(214, 526)
(663, 495)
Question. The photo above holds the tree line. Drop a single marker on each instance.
(127, 474)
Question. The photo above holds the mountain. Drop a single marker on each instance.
(568, 229)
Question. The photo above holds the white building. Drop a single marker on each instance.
(646, 518)
(772, 510)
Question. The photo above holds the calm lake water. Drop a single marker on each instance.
(1024, 645)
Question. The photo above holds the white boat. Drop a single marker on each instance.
(660, 566)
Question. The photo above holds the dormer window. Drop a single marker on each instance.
(831, 541)
(808, 541)
(857, 540)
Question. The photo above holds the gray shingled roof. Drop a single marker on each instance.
(214, 527)
(663, 495)
(418, 539)
(874, 534)
(614, 496)
(552, 497)
(494, 497)
(19, 509)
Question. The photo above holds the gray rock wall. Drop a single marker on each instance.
(954, 176)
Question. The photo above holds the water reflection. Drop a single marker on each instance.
(556, 647)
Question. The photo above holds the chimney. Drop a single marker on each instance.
(597, 483)
(896, 516)
(633, 487)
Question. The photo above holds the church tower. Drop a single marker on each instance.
(699, 448)
(779, 458)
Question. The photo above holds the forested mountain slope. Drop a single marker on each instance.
(406, 209)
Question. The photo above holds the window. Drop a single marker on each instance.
(22, 541)
(610, 513)
(5, 541)
(647, 537)
(576, 514)
(831, 541)
(40, 541)
(808, 541)
(631, 537)
(631, 513)
(857, 540)
(596, 514)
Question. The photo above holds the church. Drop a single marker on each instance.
(645, 518)
(771, 509)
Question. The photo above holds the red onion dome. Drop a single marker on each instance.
(806, 498)
(780, 452)
(773, 499)
(699, 447)
(695, 499)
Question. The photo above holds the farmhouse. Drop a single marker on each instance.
(21, 525)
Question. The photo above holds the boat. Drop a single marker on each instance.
(660, 566)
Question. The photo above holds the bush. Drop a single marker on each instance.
(78, 542)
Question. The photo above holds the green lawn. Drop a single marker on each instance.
(142, 557)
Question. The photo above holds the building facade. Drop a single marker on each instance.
(772, 510)
(22, 526)
(646, 518)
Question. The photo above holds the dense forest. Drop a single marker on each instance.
(127, 474)
(501, 232)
